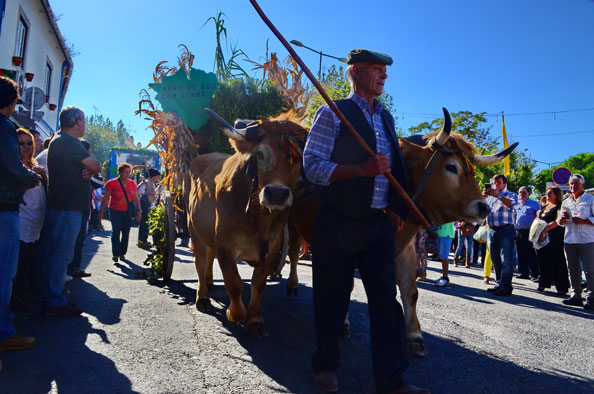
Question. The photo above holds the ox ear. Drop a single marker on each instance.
(414, 155)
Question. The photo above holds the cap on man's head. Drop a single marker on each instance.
(364, 55)
(152, 172)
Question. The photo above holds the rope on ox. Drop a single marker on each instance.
(401, 192)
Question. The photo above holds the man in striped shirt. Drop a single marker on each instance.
(353, 226)
(500, 239)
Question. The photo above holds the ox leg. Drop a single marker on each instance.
(255, 323)
(406, 280)
(234, 287)
(294, 250)
(200, 261)
(210, 255)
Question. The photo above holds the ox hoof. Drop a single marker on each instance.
(257, 330)
(292, 291)
(345, 331)
(235, 319)
(416, 347)
(203, 304)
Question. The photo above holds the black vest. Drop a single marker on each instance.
(352, 197)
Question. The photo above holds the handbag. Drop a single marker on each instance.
(481, 234)
(132, 209)
(467, 229)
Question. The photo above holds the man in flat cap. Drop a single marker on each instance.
(356, 225)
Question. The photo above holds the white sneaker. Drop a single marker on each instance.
(67, 278)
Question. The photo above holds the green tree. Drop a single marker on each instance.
(472, 127)
(103, 135)
(582, 163)
(338, 87)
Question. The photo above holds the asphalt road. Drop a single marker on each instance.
(135, 337)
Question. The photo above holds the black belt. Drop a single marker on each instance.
(523, 230)
(500, 227)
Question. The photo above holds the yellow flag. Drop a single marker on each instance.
(506, 170)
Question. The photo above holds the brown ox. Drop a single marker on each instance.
(451, 193)
(238, 206)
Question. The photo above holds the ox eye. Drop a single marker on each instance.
(264, 157)
(451, 168)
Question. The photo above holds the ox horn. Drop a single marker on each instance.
(495, 158)
(230, 131)
(444, 134)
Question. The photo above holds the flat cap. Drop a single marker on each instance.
(364, 55)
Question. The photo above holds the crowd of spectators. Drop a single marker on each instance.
(550, 242)
(50, 194)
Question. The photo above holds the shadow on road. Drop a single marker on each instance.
(64, 363)
(450, 367)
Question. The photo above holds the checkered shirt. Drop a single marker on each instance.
(500, 214)
(583, 207)
(320, 144)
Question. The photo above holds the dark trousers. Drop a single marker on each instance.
(120, 230)
(74, 266)
(143, 231)
(527, 263)
(27, 270)
(338, 244)
(479, 246)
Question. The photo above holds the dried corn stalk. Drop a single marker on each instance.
(172, 137)
(296, 95)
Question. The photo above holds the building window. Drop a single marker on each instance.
(21, 38)
(48, 78)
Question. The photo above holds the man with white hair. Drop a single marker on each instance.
(356, 225)
(577, 215)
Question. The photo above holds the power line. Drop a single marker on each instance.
(545, 135)
(498, 114)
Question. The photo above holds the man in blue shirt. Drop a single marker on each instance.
(526, 213)
(500, 239)
(355, 227)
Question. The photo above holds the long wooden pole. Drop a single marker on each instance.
(401, 192)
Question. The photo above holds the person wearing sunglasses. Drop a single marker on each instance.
(32, 214)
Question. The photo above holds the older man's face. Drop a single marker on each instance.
(523, 192)
(370, 79)
(576, 186)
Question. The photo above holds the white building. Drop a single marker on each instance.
(32, 47)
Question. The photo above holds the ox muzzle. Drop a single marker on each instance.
(276, 196)
(477, 209)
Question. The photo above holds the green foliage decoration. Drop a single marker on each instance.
(156, 258)
(242, 99)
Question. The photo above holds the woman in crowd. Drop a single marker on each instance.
(465, 232)
(31, 215)
(551, 257)
(148, 195)
(118, 203)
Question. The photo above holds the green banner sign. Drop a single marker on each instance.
(187, 97)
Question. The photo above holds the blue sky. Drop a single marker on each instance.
(519, 57)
